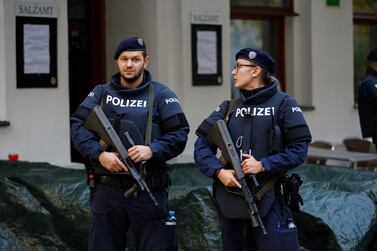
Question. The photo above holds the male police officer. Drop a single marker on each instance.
(133, 102)
(268, 129)
(368, 99)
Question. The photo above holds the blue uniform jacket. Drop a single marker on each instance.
(293, 152)
(168, 138)
(367, 100)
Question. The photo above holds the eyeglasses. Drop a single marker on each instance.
(238, 66)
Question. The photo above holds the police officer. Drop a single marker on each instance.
(132, 102)
(368, 99)
(270, 134)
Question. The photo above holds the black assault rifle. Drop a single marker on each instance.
(98, 122)
(219, 136)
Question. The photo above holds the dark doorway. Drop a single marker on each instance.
(87, 55)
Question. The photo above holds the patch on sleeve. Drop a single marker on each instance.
(296, 109)
(171, 100)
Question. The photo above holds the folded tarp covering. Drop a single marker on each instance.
(45, 207)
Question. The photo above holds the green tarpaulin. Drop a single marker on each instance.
(45, 207)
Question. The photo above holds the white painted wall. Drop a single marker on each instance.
(200, 101)
(298, 54)
(319, 62)
(39, 117)
(331, 54)
(3, 104)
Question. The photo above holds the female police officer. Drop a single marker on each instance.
(268, 130)
(152, 113)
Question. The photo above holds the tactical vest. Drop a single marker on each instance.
(131, 113)
(254, 130)
(131, 108)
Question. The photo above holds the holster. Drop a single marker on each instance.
(288, 190)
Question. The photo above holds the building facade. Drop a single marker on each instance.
(313, 42)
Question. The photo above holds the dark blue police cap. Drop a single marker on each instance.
(261, 58)
(130, 44)
(372, 55)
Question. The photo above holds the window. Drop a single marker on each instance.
(263, 21)
(364, 37)
(365, 6)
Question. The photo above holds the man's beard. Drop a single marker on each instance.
(132, 80)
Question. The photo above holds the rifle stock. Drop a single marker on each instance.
(219, 136)
(98, 122)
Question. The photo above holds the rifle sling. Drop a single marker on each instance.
(269, 185)
(232, 102)
(148, 132)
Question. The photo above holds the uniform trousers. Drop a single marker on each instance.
(113, 214)
(239, 235)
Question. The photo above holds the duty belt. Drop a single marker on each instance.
(116, 181)
(154, 182)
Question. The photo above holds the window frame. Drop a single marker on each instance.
(263, 12)
(364, 18)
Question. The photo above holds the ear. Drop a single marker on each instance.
(256, 71)
(146, 62)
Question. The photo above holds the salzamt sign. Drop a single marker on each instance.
(205, 18)
(36, 9)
